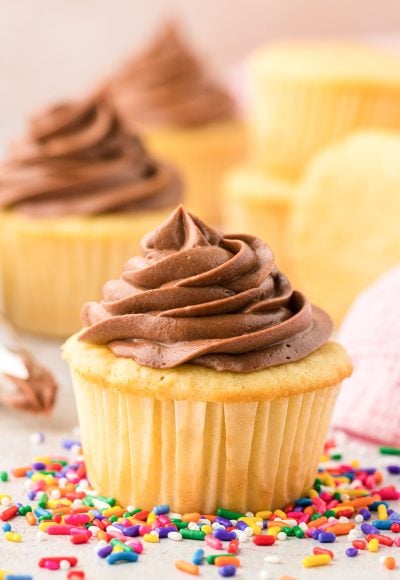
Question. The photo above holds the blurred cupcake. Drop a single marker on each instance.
(255, 202)
(187, 117)
(371, 334)
(76, 195)
(307, 94)
(345, 226)
(203, 360)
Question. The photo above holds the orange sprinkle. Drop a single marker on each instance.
(310, 509)
(390, 563)
(360, 502)
(187, 567)
(210, 517)
(20, 471)
(341, 529)
(318, 522)
(226, 561)
(193, 517)
(30, 518)
(274, 523)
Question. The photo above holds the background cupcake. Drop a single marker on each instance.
(187, 117)
(77, 194)
(203, 360)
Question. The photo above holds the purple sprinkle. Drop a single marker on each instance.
(366, 514)
(393, 469)
(38, 466)
(315, 534)
(31, 494)
(163, 532)
(351, 552)
(223, 535)
(265, 524)
(227, 571)
(223, 521)
(368, 529)
(241, 525)
(326, 537)
(104, 552)
(131, 531)
(69, 443)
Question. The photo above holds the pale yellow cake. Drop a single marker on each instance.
(346, 219)
(171, 435)
(255, 202)
(50, 267)
(307, 94)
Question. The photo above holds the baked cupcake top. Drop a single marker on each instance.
(167, 85)
(77, 160)
(200, 297)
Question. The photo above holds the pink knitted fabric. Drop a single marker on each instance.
(369, 403)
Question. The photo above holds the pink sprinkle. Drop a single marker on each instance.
(213, 542)
(77, 519)
(52, 565)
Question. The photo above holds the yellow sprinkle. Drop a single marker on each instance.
(341, 508)
(4, 495)
(324, 458)
(12, 537)
(114, 511)
(44, 525)
(382, 512)
(373, 545)
(3, 574)
(354, 492)
(280, 514)
(265, 515)
(151, 518)
(53, 503)
(206, 529)
(118, 548)
(48, 479)
(274, 531)
(355, 463)
(251, 521)
(312, 493)
(317, 560)
(42, 459)
(152, 538)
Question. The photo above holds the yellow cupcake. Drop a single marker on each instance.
(254, 202)
(305, 95)
(202, 379)
(76, 197)
(345, 229)
(187, 118)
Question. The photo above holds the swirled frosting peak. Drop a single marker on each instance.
(78, 160)
(197, 296)
(167, 85)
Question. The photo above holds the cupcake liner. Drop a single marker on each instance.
(202, 155)
(292, 118)
(257, 203)
(368, 406)
(50, 268)
(198, 455)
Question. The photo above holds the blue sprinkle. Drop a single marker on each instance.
(227, 571)
(303, 501)
(241, 525)
(198, 557)
(384, 524)
(394, 516)
(161, 509)
(326, 537)
(117, 557)
(40, 512)
(373, 507)
(17, 577)
(6, 527)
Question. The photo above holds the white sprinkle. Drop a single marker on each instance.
(39, 495)
(65, 565)
(382, 560)
(260, 525)
(75, 449)
(130, 508)
(28, 484)
(272, 560)
(176, 536)
(94, 529)
(332, 519)
(36, 438)
(216, 526)
(154, 533)
(62, 482)
(242, 536)
(100, 545)
(204, 521)
(343, 520)
(249, 515)
(41, 536)
(282, 536)
(354, 534)
(193, 526)
(345, 497)
(248, 531)
(265, 575)
(173, 516)
(303, 526)
(359, 519)
(55, 494)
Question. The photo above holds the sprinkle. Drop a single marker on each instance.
(263, 540)
(272, 560)
(389, 563)
(316, 560)
(227, 561)
(360, 544)
(389, 450)
(12, 536)
(187, 567)
(227, 571)
(198, 557)
(213, 542)
(176, 536)
(118, 557)
(351, 552)
(318, 550)
(373, 545)
(36, 438)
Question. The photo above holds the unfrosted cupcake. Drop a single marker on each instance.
(76, 195)
(186, 116)
(202, 378)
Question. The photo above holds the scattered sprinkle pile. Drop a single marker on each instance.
(345, 500)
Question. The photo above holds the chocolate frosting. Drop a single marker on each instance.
(78, 160)
(200, 297)
(167, 85)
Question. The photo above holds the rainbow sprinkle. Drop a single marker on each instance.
(345, 500)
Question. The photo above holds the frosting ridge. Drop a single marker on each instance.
(200, 297)
(167, 85)
(78, 160)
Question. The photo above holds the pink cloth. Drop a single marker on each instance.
(369, 402)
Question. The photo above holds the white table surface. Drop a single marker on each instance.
(157, 561)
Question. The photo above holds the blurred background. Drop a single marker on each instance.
(51, 49)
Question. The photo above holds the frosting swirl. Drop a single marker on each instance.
(167, 85)
(78, 160)
(200, 297)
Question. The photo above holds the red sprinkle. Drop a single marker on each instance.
(80, 538)
(359, 544)
(261, 540)
(73, 561)
(318, 550)
(383, 540)
(395, 528)
(233, 547)
(9, 513)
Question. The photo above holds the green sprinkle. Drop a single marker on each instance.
(211, 559)
(116, 542)
(298, 532)
(110, 500)
(192, 534)
(228, 514)
(336, 456)
(288, 531)
(45, 518)
(43, 501)
(3, 476)
(337, 496)
(329, 513)
(22, 511)
(132, 513)
(180, 525)
(113, 519)
(315, 516)
(389, 450)
(88, 501)
(28, 508)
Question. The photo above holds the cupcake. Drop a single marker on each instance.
(254, 202)
(371, 333)
(186, 117)
(305, 95)
(76, 196)
(201, 378)
(345, 225)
